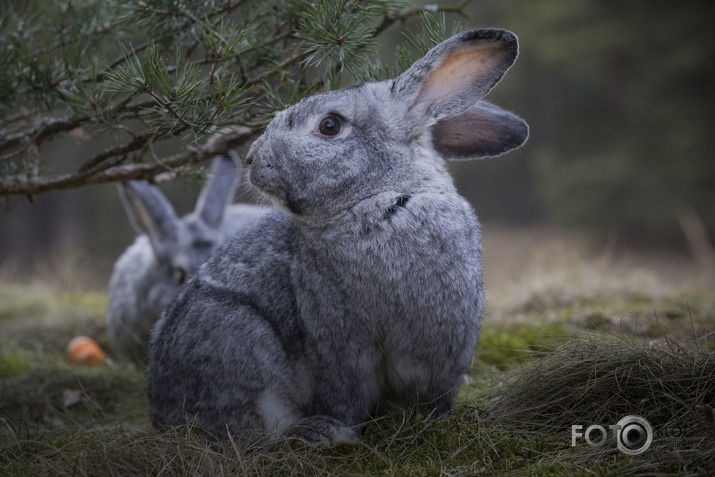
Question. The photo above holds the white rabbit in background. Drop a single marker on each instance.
(148, 274)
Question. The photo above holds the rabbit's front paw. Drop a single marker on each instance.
(323, 431)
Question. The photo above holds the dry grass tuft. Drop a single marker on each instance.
(599, 380)
(462, 443)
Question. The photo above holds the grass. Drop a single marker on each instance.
(578, 343)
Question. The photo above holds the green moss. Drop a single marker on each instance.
(506, 348)
(23, 302)
(91, 303)
(62, 394)
(13, 363)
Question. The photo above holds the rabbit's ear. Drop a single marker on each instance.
(455, 74)
(481, 131)
(218, 191)
(151, 213)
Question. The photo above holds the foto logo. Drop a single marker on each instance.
(633, 435)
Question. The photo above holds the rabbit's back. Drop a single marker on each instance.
(232, 340)
(240, 216)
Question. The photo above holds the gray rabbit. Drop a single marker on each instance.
(365, 290)
(148, 274)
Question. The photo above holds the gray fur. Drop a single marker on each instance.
(366, 289)
(148, 274)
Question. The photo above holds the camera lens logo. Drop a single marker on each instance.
(633, 435)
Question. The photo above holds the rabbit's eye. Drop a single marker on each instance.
(329, 126)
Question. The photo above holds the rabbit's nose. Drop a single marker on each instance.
(253, 150)
(251, 155)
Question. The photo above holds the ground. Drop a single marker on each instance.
(574, 335)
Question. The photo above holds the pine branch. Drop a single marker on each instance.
(415, 10)
(45, 128)
(21, 184)
(209, 64)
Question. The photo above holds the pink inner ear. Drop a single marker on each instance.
(458, 73)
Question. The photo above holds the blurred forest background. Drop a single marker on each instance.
(619, 98)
